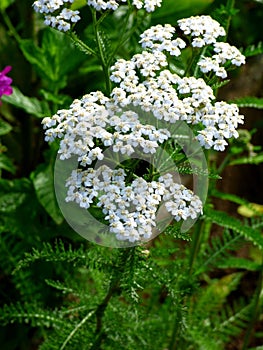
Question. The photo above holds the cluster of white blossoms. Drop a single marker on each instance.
(159, 38)
(64, 16)
(94, 117)
(223, 53)
(145, 89)
(203, 30)
(131, 209)
(145, 81)
(89, 127)
(148, 5)
(61, 17)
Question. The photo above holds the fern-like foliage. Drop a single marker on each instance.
(255, 159)
(218, 250)
(105, 47)
(249, 102)
(253, 50)
(80, 45)
(223, 219)
(30, 313)
(63, 252)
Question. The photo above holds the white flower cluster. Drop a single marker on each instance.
(148, 5)
(131, 209)
(104, 5)
(159, 38)
(224, 53)
(94, 118)
(95, 123)
(62, 20)
(144, 81)
(203, 31)
(88, 127)
(65, 17)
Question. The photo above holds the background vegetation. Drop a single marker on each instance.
(59, 291)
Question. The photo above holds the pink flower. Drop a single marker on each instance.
(5, 88)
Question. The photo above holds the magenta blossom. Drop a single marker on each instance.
(5, 88)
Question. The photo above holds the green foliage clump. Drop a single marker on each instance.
(194, 290)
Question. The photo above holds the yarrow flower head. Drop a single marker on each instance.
(95, 123)
(203, 30)
(5, 82)
(145, 85)
(145, 80)
(61, 17)
(131, 210)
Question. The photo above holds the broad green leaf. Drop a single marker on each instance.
(11, 201)
(54, 59)
(17, 185)
(59, 99)
(5, 3)
(6, 164)
(172, 10)
(77, 4)
(5, 128)
(43, 181)
(29, 104)
(61, 53)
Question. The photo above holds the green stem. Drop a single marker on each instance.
(126, 31)
(229, 7)
(197, 239)
(10, 26)
(173, 342)
(103, 305)
(104, 63)
(124, 257)
(72, 333)
(254, 311)
(192, 60)
(85, 48)
(224, 163)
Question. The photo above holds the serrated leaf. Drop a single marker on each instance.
(229, 196)
(220, 84)
(51, 59)
(36, 57)
(222, 219)
(248, 160)
(253, 50)
(59, 99)
(239, 263)
(31, 105)
(105, 46)
(249, 102)
(43, 181)
(6, 164)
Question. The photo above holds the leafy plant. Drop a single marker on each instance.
(195, 286)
